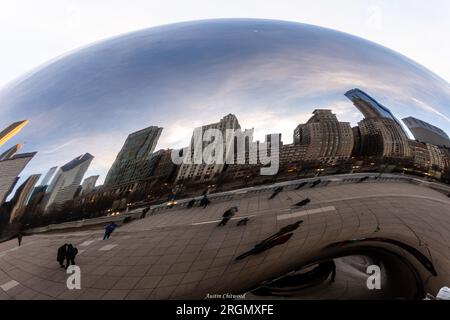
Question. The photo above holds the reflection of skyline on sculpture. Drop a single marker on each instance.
(272, 75)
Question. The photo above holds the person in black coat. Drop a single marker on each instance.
(70, 255)
(61, 255)
(227, 216)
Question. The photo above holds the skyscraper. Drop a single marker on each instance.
(132, 158)
(369, 107)
(21, 197)
(9, 171)
(381, 133)
(88, 184)
(67, 180)
(203, 171)
(48, 176)
(12, 130)
(425, 132)
(326, 138)
(10, 152)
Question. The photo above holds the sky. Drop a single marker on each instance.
(33, 32)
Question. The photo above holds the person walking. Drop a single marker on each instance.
(19, 238)
(190, 204)
(70, 255)
(109, 229)
(243, 222)
(276, 192)
(304, 202)
(227, 216)
(144, 212)
(286, 229)
(204, 202)
(61, 255)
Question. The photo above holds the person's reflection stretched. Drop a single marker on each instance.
(266, 245)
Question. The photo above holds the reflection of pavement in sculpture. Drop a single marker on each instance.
(180, 253)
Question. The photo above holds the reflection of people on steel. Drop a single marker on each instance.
(190, 204)
(19, 238)
(315, 183)
(227, 216)
(144, 212)
(364, 179)
(301, 185)
(285, 229)
(243, 222)
(266, 245)
(278, 238)
(304, 202)
(276, 192)
(204, 202)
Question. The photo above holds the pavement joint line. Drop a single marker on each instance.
(305, 212)
(108, 247)
(87, 242)
(9, 285)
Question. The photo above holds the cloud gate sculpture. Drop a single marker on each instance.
(166, 136)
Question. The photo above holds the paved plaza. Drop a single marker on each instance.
(181, 253)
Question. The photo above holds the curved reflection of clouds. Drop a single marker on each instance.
(183, 75)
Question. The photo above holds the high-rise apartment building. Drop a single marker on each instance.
(326, 139)
(10, 152)
(9, 171)
(381, 133)
(203, 171)
(425, 132)
(88, 184)
(48, 176)
(12, 130)
(22, 196)
(67, 180)
(132, 160)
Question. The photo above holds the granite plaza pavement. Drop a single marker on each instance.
(181, 253)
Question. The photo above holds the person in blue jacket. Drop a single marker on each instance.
(109, 229)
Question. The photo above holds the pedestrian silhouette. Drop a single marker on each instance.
(70, 255)
(286, 229)
(243, 222)
(190, 204)
(363, 179)
(276, 192)
(301, 185)
(204, 202)
(302, 203)
(266, 245)
(227, 216)
(61, 255)
(109, 229)
(144, 212)
(19, 238)
(315, 183)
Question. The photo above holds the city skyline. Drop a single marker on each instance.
(137, 152)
